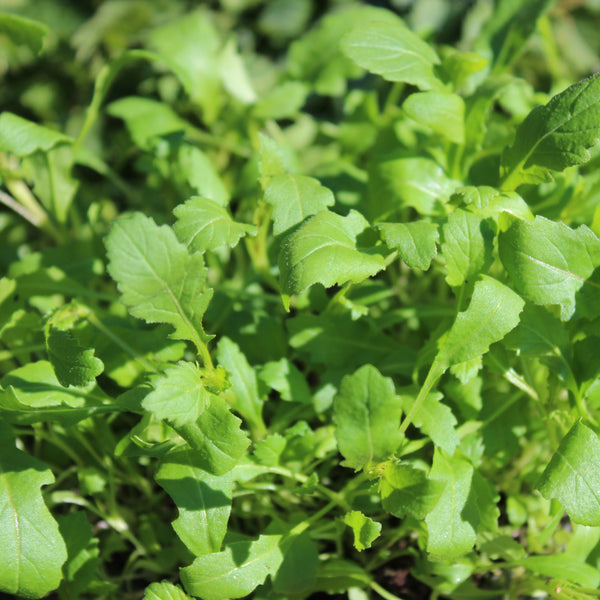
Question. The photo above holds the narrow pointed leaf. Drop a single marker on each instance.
(32, 550)
(203, 500)
(234, 572)
(549, 262)
(159, 280)
(572, 476)
(391, 50)
(203, 224)
(366, 413)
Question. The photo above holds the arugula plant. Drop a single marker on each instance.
(325, 323)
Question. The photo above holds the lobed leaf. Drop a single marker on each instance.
(365, 530)
(416, 242)
(159, 280)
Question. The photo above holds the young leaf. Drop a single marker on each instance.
(234, 572)
(22, 31)
(443, 112)
(435, 420)
(493, 312)
(179, 395)
(416, 242)
(200, 173)
(548, 262)
(487, 201)
(73, 364)
(366, 413)
(295, 197)
(450, 535)
(217, 437)
(391, 50)
(22, 137)
(323, 250)
(203, 224)
(467, 247)
(365, 530)
(243, 395)
(165, 591)
(32, 550)
(572, 476)
(159, 280)
(554, 136)
(284, 377)
(203, 500)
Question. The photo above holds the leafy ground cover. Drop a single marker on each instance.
(300, 300)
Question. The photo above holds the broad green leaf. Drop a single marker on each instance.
(337, 576)
(295, 197)
(450, 535)
(73, 363)
(562, 566)
(284, 377)
(22, 31)
(572, 476)
(234, 572)
(32, 550)
(217, 437)
(203, 500)
(80, 570)
(179, 395)
(365, 530)
(22, 137)
(234, 74)
(435, 420)
(487, 201)
(324, 250)
(366, 414)
(243, 395)
(316, 58)
(201, 174)
(191, 46)
(268, 450)
(203, 224)
(283, 101)
(407, 491)
(554, 136)
(467, 246)
(416, 242)
(271, 159)
(493, 312)
(394, 52)
(159, 280)
(443, 112)
(548, 262)
(33, 394)
(299, 568)
(165, 591)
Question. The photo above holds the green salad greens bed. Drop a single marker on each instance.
(300, 299)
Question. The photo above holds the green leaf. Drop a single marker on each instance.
(435, 420)
(32, 550)
(217, 437)
(562, 566)
(493, 312)
(201, 174)
(572, 476)
(554, 136)
(416, 242)
(83, 551)
(548, 262)
(203, 224)
(203, 500)
(243, 395)
(73, 364)
(467, 247)
(298, 571)
(295, 197)
(407, 491)
(365, 530)
(487, 201)
(450, 535)
(159, 280)
(23, 32)
(234, 572)
(366, 414)
(165, 591)
(179, 395)
(284, 377)
(283, 101)
(324, 250)
(234, 74)
(394, 52)
(22, 137)
(443, 112)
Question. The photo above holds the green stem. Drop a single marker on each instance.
(382, 592)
